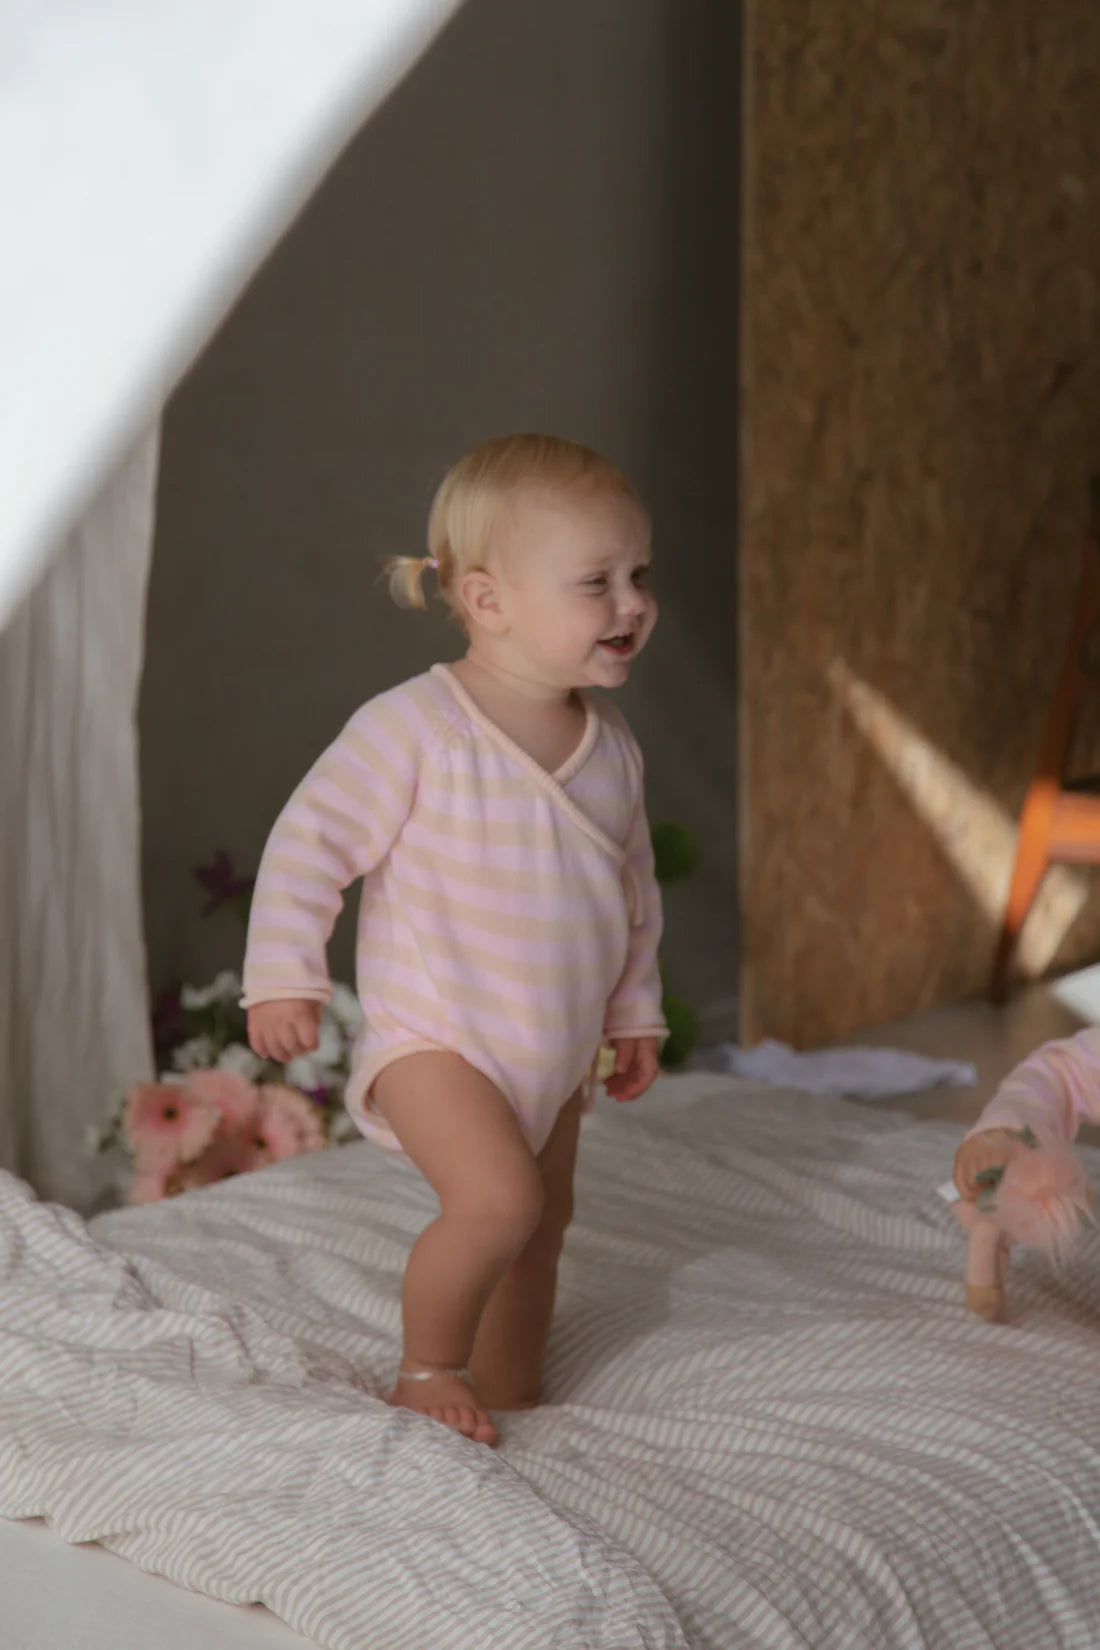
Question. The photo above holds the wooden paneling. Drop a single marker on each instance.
(920, 414)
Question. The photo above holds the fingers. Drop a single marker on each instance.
(621, 1082)
(281, 1031)
(257, 1034)
(990, 1150)
(306, 1024)
(972, 1157)
(647, 1066)
(964, 1171)
(637, 1062)
(625, 1055)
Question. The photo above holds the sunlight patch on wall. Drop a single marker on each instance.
(977, 835)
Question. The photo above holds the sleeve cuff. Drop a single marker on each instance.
(287, 994)
(656, 1029)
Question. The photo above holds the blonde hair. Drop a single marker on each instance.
(469, 499)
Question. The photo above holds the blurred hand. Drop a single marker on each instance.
(992, 1149)
(283, 1029)
(637, 1062)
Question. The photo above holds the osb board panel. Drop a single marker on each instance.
(920, 413)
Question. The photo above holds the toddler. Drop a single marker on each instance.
(1052, 1093)
(510, 915)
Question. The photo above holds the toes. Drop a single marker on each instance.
(465, 1419)
(470, 1423)
(482, 1430)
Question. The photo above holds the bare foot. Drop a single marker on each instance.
(450, 1399)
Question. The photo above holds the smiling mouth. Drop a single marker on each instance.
(621, 646)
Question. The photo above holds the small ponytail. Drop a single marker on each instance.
(406, 579)
(462, 522)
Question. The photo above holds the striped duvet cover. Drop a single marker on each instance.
(769, 1421)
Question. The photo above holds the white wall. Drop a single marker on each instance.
(538, 231)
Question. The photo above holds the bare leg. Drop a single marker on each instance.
(463, 1136)
(511, 1339)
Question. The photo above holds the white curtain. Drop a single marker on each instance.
(74, 1013)
(150, 157)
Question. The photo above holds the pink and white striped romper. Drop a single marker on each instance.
(508, 915)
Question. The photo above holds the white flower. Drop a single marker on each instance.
(342, 1128)
(346, 1010)
(306, 1072)
(330, 1040)
(239, 1058)
(193, 1056)
(224, 988)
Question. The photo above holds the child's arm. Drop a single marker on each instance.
(339, 824)
(634, 1023)
(1052, 1093)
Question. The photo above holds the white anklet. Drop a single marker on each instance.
(431, 1374)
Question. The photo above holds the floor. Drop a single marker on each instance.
(993, 1039)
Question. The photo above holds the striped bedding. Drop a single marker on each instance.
(769, 1421)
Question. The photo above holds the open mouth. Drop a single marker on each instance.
(621, 646)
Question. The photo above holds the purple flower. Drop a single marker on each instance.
(223, 886)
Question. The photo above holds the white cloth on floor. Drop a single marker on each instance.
(858, 1073)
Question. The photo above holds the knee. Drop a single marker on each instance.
(506, 1209)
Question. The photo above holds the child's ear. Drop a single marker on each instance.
(480, 597)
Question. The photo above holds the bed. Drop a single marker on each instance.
(769, 1420)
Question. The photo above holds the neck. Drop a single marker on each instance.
(490, 667)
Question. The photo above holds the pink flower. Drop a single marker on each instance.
(288, 1124)
(166, 1124)
(214, 1125)
(233, 1096)
(223, 1158)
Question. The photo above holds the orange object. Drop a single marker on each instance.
(1060, 821)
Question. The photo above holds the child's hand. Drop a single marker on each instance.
(992, 1149)
(282, 1030)
(637, 1062)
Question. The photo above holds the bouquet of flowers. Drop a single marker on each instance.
(218, 1109)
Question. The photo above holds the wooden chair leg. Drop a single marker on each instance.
(1032, 860)
(1036, 821)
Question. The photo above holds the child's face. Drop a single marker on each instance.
(573, 585)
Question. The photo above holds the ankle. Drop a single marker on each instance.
(431, 1366)
(412, 1371)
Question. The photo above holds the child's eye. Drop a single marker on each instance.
(599, 583)
(641, 575)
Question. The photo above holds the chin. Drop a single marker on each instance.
(611, 672)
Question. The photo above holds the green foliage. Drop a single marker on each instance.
(676, 856)
(675, 851)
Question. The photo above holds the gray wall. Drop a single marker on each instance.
(539, 230)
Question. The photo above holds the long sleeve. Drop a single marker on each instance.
(1052, 1093)
(340, 823)
(634, 1008)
